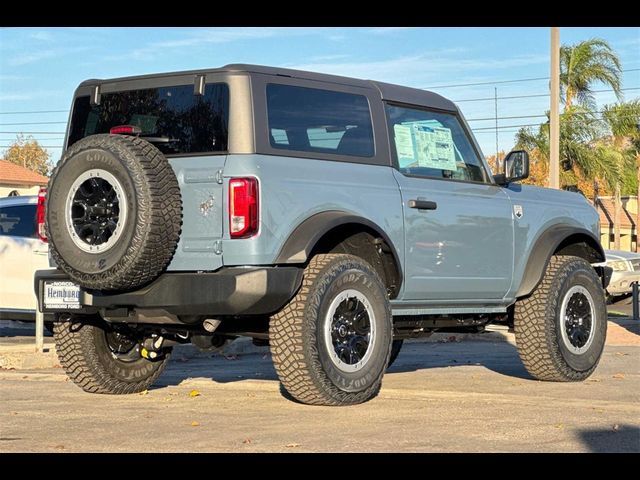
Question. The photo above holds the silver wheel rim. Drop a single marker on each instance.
(578, 320)
(345, 332)
(117, 197)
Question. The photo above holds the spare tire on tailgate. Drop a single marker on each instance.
(114, 212)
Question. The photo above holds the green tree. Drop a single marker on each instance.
(584, 64)
(28, 153)
(580, 130)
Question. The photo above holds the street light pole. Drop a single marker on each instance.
(554, 119)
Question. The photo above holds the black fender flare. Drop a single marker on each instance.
(305, 236)
(548, 243)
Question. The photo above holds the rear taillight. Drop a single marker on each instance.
(243, 207)
(41, 214)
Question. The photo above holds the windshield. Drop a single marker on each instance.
(172, 118)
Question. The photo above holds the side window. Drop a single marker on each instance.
(18, 221)
(433, 144)
(322, 121)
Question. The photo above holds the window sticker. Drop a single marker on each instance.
(404, 146)
(425, 144)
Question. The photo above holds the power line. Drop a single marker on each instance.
(33, 123)
(573, 120)
(12, 140)
(41, 146)
(507, 126)
(508, 81)
(487, 83)
(503, 118)
(598, 112)
(36, 133)
(34, 111)
(514, 130)
(534, 95)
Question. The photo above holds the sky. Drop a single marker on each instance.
(41, 67)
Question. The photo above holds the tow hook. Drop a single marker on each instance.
(151, 347)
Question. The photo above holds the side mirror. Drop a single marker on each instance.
(516, 167)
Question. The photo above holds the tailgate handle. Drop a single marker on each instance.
(423, 204)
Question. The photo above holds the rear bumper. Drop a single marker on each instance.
(179, 297)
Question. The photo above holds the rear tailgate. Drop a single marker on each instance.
(200, 180)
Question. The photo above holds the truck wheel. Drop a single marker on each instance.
(562, 326)
(100, 359)
(331, 344)
(114, 212)
(396, 346)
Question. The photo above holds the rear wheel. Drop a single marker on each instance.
(102, 359)
(331, 344)
(562, 326)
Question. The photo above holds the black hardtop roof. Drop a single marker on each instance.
(388, 91)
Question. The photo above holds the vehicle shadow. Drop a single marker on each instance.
(630, 325)
(499, 357)
(619, 439)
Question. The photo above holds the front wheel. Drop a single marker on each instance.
(331, 344)
(101, 359)
(562, 326)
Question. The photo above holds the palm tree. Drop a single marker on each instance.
(580, 130)
(581, 66)
(623, 150)
(585, 63)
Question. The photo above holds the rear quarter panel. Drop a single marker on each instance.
(293, 189)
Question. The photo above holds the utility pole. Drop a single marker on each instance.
(495, 92)
(638, 205)
(554, 140)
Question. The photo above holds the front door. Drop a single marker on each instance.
(458, 225)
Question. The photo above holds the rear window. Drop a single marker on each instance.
(18, 221)
(172, 118)
(315, 120)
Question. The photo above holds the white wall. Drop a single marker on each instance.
(6, 188)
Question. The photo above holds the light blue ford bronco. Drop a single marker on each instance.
(328, 217)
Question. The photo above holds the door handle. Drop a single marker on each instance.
(423, 204)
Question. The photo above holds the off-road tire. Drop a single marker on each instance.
(85, 356)
(151, 230)
(298, 350)
(537, 323)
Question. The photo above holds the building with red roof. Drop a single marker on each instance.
(17, 180)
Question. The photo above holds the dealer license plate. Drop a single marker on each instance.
(61, 295)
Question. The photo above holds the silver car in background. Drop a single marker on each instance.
(626, 271)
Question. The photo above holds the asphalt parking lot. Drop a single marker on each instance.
(444, 395)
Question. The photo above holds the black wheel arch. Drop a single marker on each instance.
(563, 240)
(310, 233)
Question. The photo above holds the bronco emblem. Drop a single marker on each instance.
(517, 210)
